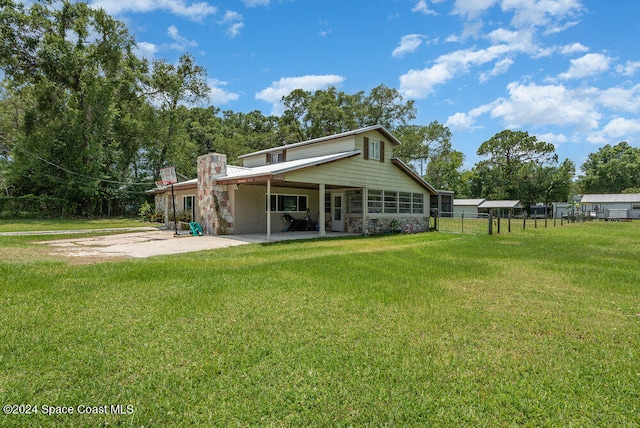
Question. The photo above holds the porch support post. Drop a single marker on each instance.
(269, 210)
(322, 220)
(365, 210)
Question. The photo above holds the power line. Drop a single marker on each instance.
(149, 183)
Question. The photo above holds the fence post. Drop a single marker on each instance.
(535, 221)
(490, 223)
(462, 222)
(524, 221)
(509, 222)
(498, 223)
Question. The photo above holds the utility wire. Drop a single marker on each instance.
(148, 183)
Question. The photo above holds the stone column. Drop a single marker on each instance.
(213, 200)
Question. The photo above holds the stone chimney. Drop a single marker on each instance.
(213, 200)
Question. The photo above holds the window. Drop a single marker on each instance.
(373, 149)
(418, 203)
(354, 202)
(286, 203)
(276, 157)
(390, 202)
(327, 202)
(187, 205)
(375, 201)
(635, 206)
(405, 202)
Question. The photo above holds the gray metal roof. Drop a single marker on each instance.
(467, 202)
(610, 198)
(501, 204)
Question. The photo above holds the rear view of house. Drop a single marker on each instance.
(349, 182)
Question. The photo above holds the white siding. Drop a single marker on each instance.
(467, 209)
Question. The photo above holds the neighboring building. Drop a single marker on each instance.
(500, 208)
(562, 209)
(612, 206)
(466, 206)
(350, 182)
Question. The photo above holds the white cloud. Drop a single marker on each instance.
(541, 13)
(466, 121)
(618, 129)
(423, 7)
(574, 48)
(588, 65)
(408, 44)
(628, 69)
(283, 87)
(193, 11)
(145, 50)
(552, 138)
(473, 8)
(218, 95)
(421, 83)
(181, 43)
(253, 3)
(620, 99)
(547, 105)
(233, 21)
(500, 67)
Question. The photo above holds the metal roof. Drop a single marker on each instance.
(501, 204)
(610, 198)
(467, 202)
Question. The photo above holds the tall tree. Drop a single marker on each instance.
(612, 169)
(172, 88)
(422, 143)
(77, 65)
(510, 158)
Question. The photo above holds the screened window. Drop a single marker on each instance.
(635, 206)
(374, 202)
(390, 202)
(354, 202)
(404, 199)
(418, 203)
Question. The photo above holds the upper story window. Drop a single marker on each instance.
(373, 149)
(276, 157)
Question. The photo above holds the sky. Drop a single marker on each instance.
(566, 71)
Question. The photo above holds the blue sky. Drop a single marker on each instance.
(567, 71)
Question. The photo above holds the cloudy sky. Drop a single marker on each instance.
(567, 71)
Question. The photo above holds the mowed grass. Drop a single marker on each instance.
(537, 328)
(22, 225)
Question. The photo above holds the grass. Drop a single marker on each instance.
(20, 225)
(538, 328)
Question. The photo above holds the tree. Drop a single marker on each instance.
(421, 143)
(513, 158)
(76, 68)
(612, 169)
(169, 88)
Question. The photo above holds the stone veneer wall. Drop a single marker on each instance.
(216, 217)
(377, 226)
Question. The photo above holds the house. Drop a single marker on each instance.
(562, 209)
(612, 206)
(349, 182)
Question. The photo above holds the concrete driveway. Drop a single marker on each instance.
(161, 242)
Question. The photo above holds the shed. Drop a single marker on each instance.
(617, 205)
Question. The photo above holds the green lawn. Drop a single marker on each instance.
(21, 225)
(536, 328)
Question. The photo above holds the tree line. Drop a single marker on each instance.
(86, 122)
